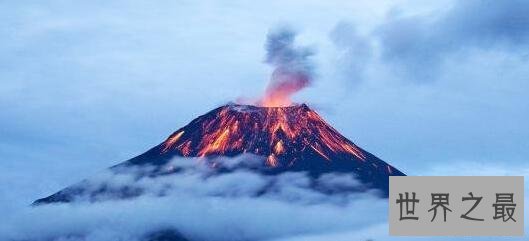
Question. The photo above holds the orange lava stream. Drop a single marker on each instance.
(171, 141)
(270, 132)
(272, 160)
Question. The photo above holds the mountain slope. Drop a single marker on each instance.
(291, 139)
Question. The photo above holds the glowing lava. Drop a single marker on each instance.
(281, 88)
(278, 133)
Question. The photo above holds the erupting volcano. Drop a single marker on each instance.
(290, 139)
(287, 137)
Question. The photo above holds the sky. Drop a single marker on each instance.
(424, 85)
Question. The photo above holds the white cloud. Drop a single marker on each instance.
(200, 204)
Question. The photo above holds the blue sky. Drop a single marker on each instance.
(421, 84)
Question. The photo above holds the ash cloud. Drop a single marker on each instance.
(293, 66)
(200, 204)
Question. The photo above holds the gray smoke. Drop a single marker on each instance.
(293, 67)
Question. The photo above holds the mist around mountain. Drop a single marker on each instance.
(196, 203)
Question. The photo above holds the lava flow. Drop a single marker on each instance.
(275, 132)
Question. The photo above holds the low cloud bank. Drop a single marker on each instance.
(379, 232)
(199, 203)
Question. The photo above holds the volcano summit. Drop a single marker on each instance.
(289, 139)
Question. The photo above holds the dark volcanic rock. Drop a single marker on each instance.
(291, 139)
(165, 235)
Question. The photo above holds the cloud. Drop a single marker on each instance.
(379, 231)
(419, 44)
(354, 51)
(437, 79)
(199, 203)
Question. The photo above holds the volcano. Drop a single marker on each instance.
(289, 139)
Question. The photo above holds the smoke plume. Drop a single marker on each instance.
(293, 68)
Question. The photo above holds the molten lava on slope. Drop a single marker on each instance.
(289, 139)
(276, 132)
